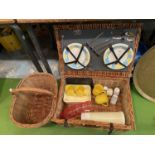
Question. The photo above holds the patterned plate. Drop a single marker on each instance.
(75, 48)
(118, 57)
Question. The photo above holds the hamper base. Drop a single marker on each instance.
(124, 104)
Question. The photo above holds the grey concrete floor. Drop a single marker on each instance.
(18, 65)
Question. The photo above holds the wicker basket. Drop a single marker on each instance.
(34, 100)
(100, 75)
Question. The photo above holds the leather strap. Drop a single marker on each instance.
(111, 128)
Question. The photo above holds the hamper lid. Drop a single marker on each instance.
(97, 49)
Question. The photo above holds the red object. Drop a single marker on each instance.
(76, 110)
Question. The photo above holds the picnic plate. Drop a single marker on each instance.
(75, 48)
(118, 57)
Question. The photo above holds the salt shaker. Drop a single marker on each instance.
(105, 88)
(114, 99)
(110, 92)
(116, 91)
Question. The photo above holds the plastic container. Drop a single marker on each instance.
(10, 42)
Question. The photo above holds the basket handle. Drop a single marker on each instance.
(30, 90)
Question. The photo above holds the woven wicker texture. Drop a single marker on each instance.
(97, 72)
(124, 104)
(34, 100)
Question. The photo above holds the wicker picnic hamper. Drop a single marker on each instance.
(66, 34)
(34, 100)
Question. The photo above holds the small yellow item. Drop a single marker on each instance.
(70, 90)
(98, 89)
(68, 87)
(102, 99)
(79, 90)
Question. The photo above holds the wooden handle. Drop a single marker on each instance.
(30, 90)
